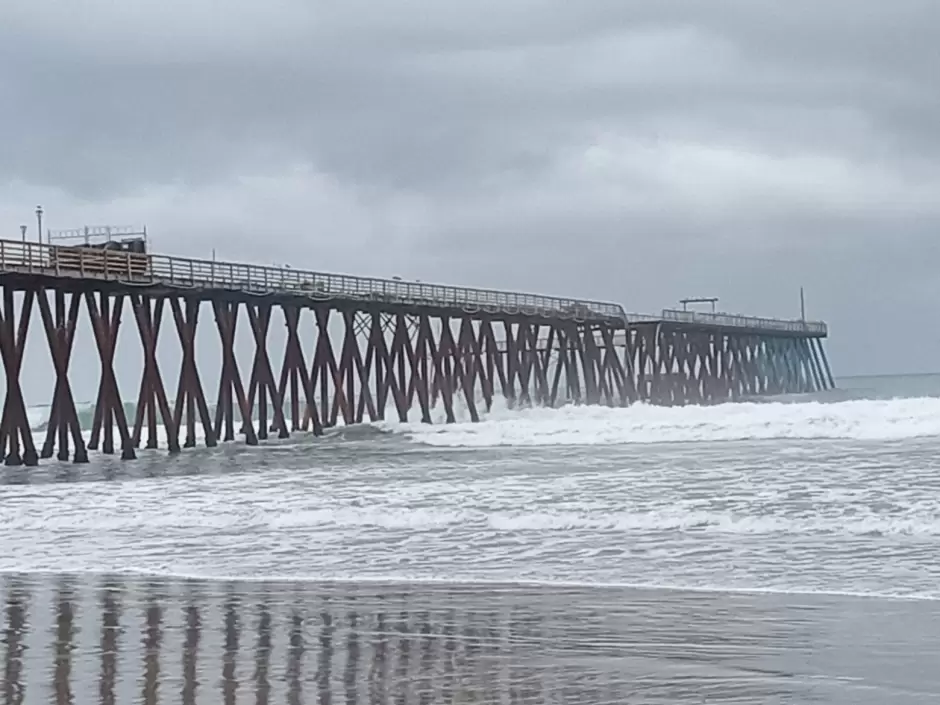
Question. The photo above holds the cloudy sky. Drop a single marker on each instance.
(637, 152)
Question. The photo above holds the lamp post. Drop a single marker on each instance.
(39, 223)
(23, 232)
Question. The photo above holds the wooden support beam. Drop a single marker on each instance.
(230, 383)
(295, 369)
(109, 407)
(14, 423)
(260, 318)
(189, 393)
(152, 397)
(63, 415)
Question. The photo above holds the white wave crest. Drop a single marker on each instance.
(892, 419)
(385, 518)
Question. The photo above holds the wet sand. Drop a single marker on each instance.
(120, 639)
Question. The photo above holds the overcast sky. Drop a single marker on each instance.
(637, 152)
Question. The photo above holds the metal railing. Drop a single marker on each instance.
(87, 232)
(187, 274)
(184, 273)
(736, 321)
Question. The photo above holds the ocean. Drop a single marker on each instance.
(777, 551)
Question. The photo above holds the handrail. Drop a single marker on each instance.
(20, 257)
(731, 320)
(187, 273)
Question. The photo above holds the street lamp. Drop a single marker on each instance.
(23, 232)
(39, 223)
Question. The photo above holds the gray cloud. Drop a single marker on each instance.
(638, 152)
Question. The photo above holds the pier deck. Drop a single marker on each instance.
(403, 348)
(166, 276)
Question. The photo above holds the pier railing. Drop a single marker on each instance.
(729, 320)
(184, 273)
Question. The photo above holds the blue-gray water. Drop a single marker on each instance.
(766, 552)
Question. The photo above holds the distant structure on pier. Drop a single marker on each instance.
(408, 347)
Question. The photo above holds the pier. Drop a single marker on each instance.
(380, 348)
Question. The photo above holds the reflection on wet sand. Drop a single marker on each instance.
(13, 640)
(130, 640)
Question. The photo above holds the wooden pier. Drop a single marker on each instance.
(403, 349)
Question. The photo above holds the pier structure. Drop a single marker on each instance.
(356, 349)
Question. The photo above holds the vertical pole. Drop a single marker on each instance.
(318, 367)
(510, 355)
(192, 309)
(350, 343)
(260, 329)
(11, 418)
(293, 314)
(61, 401)
(401, 403)
(107, 419)
(590, 355)
(377, 335)
(802, 306)
(151, 324)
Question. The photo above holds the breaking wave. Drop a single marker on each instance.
(853, 419)
(860, 419)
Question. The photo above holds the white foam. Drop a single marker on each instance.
(859, 419)
(124, 511)
(37, 416)
(892, 419)
(856, 517)
(475, 581)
